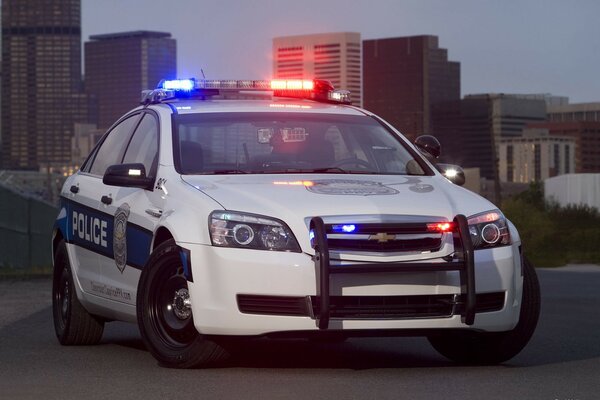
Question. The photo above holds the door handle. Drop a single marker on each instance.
(155, 212)
(74, 189)
(106, 200)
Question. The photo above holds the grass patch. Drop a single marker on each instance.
(552, 235)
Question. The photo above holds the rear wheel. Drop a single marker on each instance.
(164, 313)
(72, 323)
(496, 347)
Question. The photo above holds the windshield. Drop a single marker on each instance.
(271, 143)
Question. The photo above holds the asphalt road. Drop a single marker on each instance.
(561, 362)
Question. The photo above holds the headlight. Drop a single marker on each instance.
(489, 229)
(248, 231)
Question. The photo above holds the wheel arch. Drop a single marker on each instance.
(57, 237)
(162, 235)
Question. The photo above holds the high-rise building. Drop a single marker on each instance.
(41, 81)
(485, 119)
(587, 141)
(410, 83)
(535, 156)
(119, 66)
(582, 122)
(566, 112)
(332, 56)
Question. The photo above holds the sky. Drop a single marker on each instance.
(503, 46)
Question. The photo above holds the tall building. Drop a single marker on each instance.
(582, 122)
(410, 83)
(589, 112)
(332, 56)
(41, 75)
(485, 119)
(119, 66)
(587, 141)
(535, 156)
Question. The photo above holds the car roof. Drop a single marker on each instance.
(271, 105)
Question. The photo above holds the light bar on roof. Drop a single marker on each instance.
(320, 90)
(276, 84)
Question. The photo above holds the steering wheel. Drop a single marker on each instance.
(352, 161)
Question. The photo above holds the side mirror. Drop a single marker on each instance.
(453, 173)
(127, 175)
(429, 146)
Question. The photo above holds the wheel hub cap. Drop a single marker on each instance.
(182, 306)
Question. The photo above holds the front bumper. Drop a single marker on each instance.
(222, 275)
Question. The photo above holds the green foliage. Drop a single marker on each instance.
(553, 235)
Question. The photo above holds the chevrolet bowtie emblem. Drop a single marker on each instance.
(382, 237)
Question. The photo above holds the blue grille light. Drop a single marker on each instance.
(344, 228)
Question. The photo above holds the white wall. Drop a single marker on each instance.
(574, 189)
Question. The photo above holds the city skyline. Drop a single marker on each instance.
(526, 47)
(40, 74)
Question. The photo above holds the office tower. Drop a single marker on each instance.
(535, 156)
(41, 81)
(573, 112)
(410, 83)
(332, 56)
(582, 122)
(119, 66)
(485, 119)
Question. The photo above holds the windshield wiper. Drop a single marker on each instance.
(328, 169)
(339, 170)
(226, 172)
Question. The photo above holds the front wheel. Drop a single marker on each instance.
(72, 323)
(164, 313)
(495, 347)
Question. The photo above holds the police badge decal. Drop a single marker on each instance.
(120, 236)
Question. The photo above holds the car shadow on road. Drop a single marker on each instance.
(355, 353)
(368, 353)
(567, 332)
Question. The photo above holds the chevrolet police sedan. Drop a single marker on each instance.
(228, 209)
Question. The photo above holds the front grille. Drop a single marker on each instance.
(369, 307)
(395, 237)
(396, 245)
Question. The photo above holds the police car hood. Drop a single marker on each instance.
(293, 198)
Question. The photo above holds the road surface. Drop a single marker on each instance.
(561, 362)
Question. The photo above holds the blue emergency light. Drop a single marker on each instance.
(178, 84)
(344, 228)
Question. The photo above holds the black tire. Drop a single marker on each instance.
(72, 323)
(165, 320)
(493, 348)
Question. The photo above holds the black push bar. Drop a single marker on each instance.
(462, 262)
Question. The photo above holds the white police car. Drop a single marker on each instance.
(221, 209)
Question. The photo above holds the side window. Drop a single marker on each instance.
(144, 145)
(112, 148)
